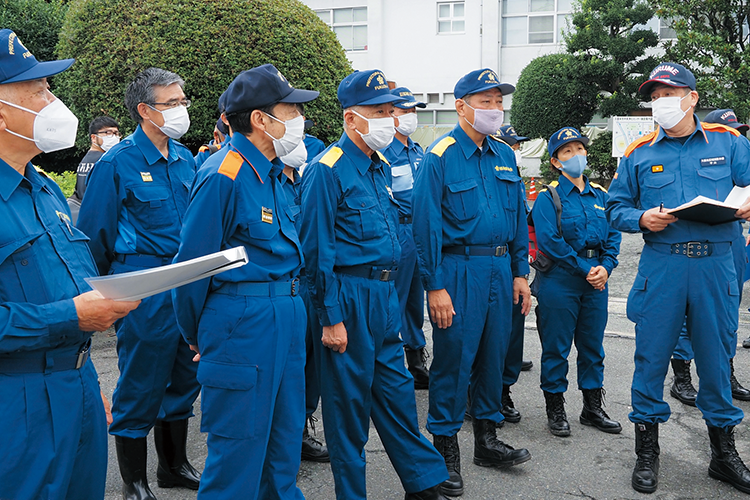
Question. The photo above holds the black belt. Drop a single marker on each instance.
(261, 289)
(138, 260)
(589, 253)
(692, 249)
(497, 251)
(370, 272)
(406, 219)
(57, 360)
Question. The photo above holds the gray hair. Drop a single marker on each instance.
(141, 89)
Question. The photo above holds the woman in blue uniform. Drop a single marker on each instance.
(572, 293)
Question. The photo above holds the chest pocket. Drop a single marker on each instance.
(659, 188)
(402, 178)
(260, 230)
(151, 206)
(293, 211)
(364, 219)
(78, 241)
(461, 199)
(714, 182)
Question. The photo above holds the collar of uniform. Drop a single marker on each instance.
(467, 145)
(661, 134)
(567, 186)
(10, 178)
(262, 166)
(150, 152)
(356, 155)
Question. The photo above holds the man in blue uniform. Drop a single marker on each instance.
(472, 243)
(53, 428)
(249, 323)
(221, 137)
(404, 156)
(349, 234)
(133, 209)
(686, 268)
(313, 145)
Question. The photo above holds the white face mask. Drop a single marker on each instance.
(108, 141)
(667, 111)
(381, 134)
(293, 135)
(519, 156)
(407, 124)
(176, 121)
(55, 126)
(297, 157)
(487, 121)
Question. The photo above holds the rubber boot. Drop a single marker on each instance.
(682, 386)
(312, 449)
(557, 419)
(415, 359)
(490, 451)
(646, 472)
(428, 494)
(738, 392)
(447, 446)
(509, 409)
(726, 464)
(593, 413)
(174, 469)
(131, 456)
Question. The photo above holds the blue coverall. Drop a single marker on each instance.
(670, 284)
(204, 152)
(570, 308)
(249, 325)
(467, 200)
(53, 431)
(133, 210)
(404, 161)
(314, 146)
(351, 222)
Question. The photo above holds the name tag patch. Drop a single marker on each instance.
(146, 177)
(657, 168)
(266, 215)
(716, 160)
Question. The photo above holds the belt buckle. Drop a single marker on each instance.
(500, 250)
(590, 253)
(385, 275)
(83, 355)
(295, 287)
(692, 251)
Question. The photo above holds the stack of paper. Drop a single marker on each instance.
(708, 211)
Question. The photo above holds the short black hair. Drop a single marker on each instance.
(101, 122)
(240, 121)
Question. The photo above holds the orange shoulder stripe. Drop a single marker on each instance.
(639, 142)
(203, 149)
(231, 165)
(717, 127)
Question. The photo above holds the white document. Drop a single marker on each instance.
(140, 284)
(735, 199)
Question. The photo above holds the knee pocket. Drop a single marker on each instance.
(228, 402)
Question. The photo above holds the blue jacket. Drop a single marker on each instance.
(467, 196)
(350, 218)
(404, 162)
(135, 200)
(658, 169)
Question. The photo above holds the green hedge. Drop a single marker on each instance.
(207, 43)
(36, 22)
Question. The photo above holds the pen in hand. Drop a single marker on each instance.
(661, 207)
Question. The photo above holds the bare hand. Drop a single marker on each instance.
(521, 290)
(107, 407)
(655, 220)
(744, 211)
(96, 314)
(197, 356)
(441, 307)
(335, 337)
(598, 277)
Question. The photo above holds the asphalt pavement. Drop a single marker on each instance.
(589, 464)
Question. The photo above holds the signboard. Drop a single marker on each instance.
(626, 129)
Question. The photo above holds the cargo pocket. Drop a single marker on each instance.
(151, 207)
(635, 299)
(365, 215)
(228, 401)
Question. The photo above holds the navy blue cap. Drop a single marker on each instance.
(508, 135)
(409, 102)
(260, 87)
(221, 127)
(668, 73)
(17, 64)
(365, 88)
(479, 81)
(222, 102)
(564, 136)
(726, 117)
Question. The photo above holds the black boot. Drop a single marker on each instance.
(594, 414)
(682, 387)
(726, 464)
(646, 471)
(557, 420)
(415, 359)
(738, 392)
(131, 456)
(312, 449)
(448, 447)
(490, 451)
(746, 343)
(509, 410)
(526, 365)
(174, 469)
(428, 494)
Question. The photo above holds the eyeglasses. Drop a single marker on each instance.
(109, 133)
(172, 104)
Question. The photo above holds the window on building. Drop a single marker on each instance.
(527, 22)
(350, 26)
(450, 17)
(665, 29)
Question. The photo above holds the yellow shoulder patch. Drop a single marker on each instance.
(231, 165)
(553, 184)
(640, 142)
(597, 186)
(331, 157)
(203, 149)
(717, 127)
(382, 158)
(439, 148)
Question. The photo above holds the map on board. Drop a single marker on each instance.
(626, 129)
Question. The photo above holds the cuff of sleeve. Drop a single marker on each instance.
(583, 267)
(331, 315)
(61, 319)
(520, 268)
(638, 228)
(609, 266)
(434, 282)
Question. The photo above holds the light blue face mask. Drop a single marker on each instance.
(575, 166)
